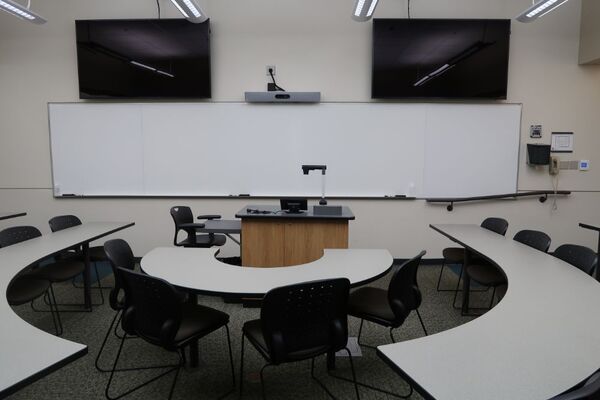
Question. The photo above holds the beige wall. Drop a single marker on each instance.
(589, 49)
(315, 46)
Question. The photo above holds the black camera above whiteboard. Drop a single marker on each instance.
(143, 58)
(440, 58)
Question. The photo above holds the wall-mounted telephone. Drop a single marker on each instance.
(554, 166)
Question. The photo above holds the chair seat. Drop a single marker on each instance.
(486, 274)
(371, 304)
(254, 333)
(59, 271)
(501, 292)
(204, 241)
(198, 321)
(97, 254)
(453, 255)
(24, 289)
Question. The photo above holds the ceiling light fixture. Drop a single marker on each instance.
(363, 10)
(190, 9)
(539, 9)
(18, 10)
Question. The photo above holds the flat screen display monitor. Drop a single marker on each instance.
(440, 58)
(149, 58)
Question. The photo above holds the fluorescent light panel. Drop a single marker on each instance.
(540, 9)
(190, 9)
(363, 10)
(20, 11)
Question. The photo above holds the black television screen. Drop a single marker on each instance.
(440, 58)
(166, 58)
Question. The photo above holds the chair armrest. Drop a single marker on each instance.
(191, 226)
(209, 216)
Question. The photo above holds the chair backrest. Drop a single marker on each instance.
(120, 255)
(63, 222)
(403, 292)
(181, 215)
(581, 257)
(589, 391)
(536, 239)
(153, 308)
(311, 317)
(18, 234)
(495, 224)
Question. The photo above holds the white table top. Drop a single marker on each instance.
(27, 353)
(198, 270)
(539, 341)
(8, 215)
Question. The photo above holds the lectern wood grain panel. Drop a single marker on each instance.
(276, 239)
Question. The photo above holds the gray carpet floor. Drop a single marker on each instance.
(80, 379)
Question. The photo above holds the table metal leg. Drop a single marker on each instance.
(87, 293)
(466, 283)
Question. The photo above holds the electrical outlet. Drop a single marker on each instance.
(554, 167)
(268, 68)
(535, 131)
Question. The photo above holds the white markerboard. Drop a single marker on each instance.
(221, 149)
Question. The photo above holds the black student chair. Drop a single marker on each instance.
(456, 255)
(581, 257)
(155, 312)
(183, 219)
(535, 239)
(120, 255)
(26, 287)
(96, 253)
(590, 390)
(390, 307)
(480, 270)
(300, 322)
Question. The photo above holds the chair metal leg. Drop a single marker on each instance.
(360, 333)
(353, 373)
(421, 320)
(108, 332)
(262, 381)
(313, 376)
(232, 366)
(440, 277)
(242, 367)
(171, 368)
(366, 385)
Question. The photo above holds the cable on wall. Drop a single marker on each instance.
(408, 4)
(158, 7)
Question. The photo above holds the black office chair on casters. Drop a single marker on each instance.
(184, 221)
(300, 322)
(120, 255)
(154, 311)
(96, 253)
(581, 257)
(25, 287)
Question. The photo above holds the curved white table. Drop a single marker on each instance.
(197, 270)
(27, 353)
(539, 341)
